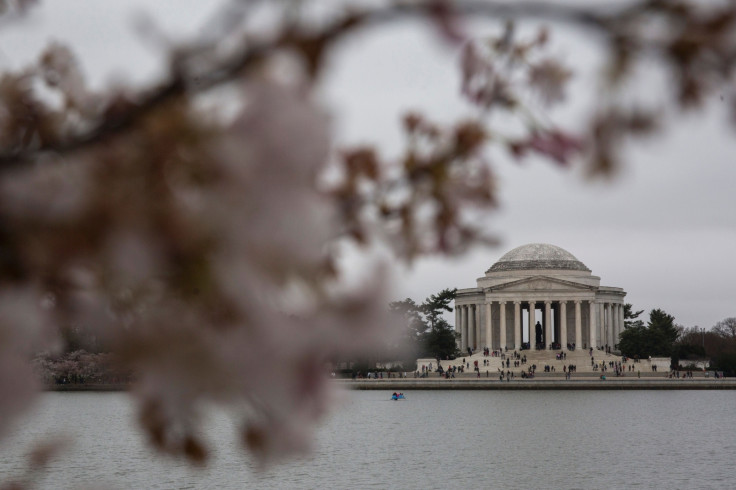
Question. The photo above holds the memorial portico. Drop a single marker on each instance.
(539, 296)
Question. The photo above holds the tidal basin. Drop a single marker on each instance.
(433, 439)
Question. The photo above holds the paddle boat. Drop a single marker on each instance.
(398, 396)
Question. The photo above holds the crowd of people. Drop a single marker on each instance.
(511, 361)
(379, 375)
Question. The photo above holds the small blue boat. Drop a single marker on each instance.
(398, 396)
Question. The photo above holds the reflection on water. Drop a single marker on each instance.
(434, 439)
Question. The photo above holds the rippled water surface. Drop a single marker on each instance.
(434, 439)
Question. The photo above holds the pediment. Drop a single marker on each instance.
(541, 283)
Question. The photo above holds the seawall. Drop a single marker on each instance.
(539, 384)
(399, 384)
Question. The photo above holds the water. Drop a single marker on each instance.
(434, 439)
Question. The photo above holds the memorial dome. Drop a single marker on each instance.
(536, 256)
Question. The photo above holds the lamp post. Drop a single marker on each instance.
(702, 331)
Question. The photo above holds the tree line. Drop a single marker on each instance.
(662, 337)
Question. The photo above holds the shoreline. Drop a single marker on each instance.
(588, 383)
(547, 383)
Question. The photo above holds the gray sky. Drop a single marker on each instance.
(664, 228)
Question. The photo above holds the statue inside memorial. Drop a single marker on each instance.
(538, 331)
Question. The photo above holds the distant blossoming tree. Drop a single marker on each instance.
(196, 236)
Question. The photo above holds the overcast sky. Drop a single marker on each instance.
(664, 228)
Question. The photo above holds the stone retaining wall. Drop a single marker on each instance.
(540, 384)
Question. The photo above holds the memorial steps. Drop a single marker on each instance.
(580, 358)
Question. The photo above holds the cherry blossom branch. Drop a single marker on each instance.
(687, 52)
(120, 115)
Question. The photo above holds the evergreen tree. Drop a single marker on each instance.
(412, 313)
(630, 317)
(633, 342)
(663, 332)
(656, 339)
(427, 332)
(440, 341)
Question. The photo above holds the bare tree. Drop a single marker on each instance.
(726, 328)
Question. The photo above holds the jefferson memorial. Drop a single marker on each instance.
(539, 296)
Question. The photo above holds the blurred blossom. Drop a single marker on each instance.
(272, 213)
(54, 194)
(549, 78)
(179, 243)
(24, 330)
(59, 69)
(15, 8)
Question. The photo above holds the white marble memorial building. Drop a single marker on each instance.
(539, 283)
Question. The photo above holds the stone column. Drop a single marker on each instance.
(458, 327)
(502, 332)
(517, 325)
(547, 324)
(464, 328)
(563, 324)
(578, 326)
(592, 324)
(621, 320)
(602, 324)
(532, 322)
(614, 323)
(467, 326)
(609, 324)
(489, 332)
(471, 326)
(479, 326)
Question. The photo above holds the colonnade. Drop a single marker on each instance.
(589, 322)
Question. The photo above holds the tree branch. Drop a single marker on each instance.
(180, 83)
